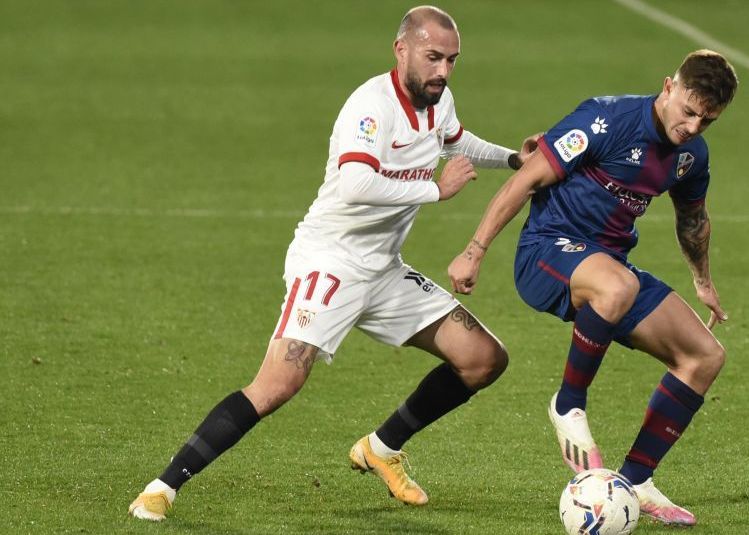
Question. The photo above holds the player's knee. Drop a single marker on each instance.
(714, 360)
(705, 364)
(490, 362)
(618, 296)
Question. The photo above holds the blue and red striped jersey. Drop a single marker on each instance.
(611, 162)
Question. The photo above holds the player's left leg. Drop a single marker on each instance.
(413, 311)
(674, 334)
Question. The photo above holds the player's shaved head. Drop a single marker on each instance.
(417, 17)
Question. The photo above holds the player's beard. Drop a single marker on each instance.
(418, 89)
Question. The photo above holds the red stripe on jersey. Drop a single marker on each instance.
(361, 157)
(553, 272)
(287, 309)
(546, 151)
(456, 137)
(404, 100)
(430, 117)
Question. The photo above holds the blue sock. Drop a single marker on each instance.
(669, 412)
(591, 337)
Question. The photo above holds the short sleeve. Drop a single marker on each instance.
(568, 144)
(693, 189)
(364, 129)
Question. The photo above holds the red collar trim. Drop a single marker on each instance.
(407, 106)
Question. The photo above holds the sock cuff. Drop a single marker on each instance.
(451, 381)
(592, 325)
(682, 392)
(241, 410)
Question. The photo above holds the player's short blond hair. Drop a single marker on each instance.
(418, 16)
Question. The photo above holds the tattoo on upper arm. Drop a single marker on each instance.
(461, 315)
(693, 230)
(298, 355)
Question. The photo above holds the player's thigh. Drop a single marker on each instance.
(322, 304)
(543, 272)
(402, 303)
(604, 282)
(675, 334)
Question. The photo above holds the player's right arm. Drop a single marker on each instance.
(535, 174)
(363, 184)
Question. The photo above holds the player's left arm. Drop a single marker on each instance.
(693, 234)
(482, 153)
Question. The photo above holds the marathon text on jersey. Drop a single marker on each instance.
(423, 173)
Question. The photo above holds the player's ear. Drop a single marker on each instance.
(668, 85)
(399, 49)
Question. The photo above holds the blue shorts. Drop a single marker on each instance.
(542, 278)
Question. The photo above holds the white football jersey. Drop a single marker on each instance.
(377, 126)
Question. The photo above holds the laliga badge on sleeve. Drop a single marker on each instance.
(571, 144)
(366, 133)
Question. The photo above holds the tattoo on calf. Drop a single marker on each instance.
(461, 315)
(298, 355)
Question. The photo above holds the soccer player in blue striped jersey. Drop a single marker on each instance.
(594, 174)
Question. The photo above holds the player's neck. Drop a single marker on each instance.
(657, 111)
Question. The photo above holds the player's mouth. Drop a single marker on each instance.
(436, 86)
(682, 136)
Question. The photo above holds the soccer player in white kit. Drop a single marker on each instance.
(343, 268)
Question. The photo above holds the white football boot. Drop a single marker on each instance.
(579, 450)
(654, 504)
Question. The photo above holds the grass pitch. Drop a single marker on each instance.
(156, 156)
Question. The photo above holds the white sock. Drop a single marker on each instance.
(379, 447)
(157, 486)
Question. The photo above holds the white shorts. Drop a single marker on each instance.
(324, 301)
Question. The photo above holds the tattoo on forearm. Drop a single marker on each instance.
(480, 245)
(693, 232)
(461, 315)
(298, 355)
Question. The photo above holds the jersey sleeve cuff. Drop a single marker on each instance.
(549, 155)
(361, 157)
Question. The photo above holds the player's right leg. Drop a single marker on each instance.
(286, 366)
(582, 282)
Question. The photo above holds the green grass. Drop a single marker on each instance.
(155, 157)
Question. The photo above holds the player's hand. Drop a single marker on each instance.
(464, 272)
(708, 295)
(456, 174)
(530, 144)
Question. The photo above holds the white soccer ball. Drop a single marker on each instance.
(599, 502)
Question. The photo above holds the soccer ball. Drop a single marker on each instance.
(599, 502)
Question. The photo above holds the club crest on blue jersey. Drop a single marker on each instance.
(367, 132)
(571, 144)
(684, 164)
